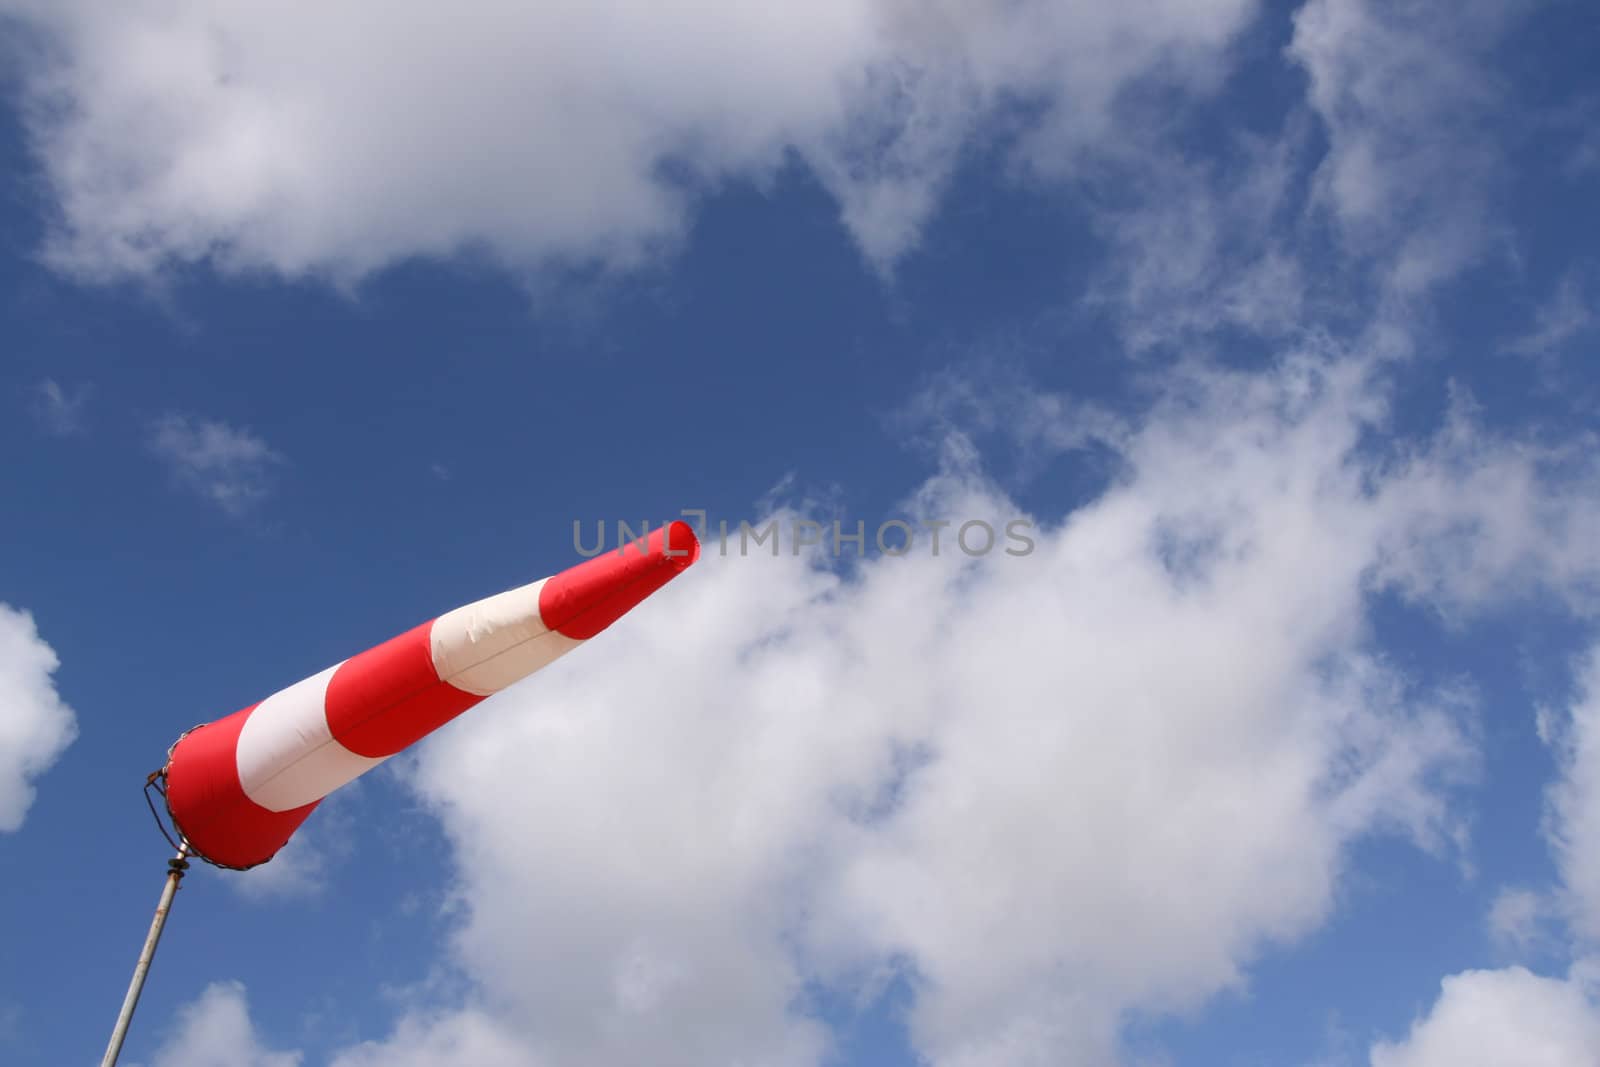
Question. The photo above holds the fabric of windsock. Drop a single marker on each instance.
(239, 787)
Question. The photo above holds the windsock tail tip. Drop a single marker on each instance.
(583, 600)
(679, 546)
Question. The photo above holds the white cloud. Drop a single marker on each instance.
(175, 131)
(227, 465)
(215, 1031)
(1495, 1018)
(469, 1036)
(35, 726)
(310, 139)
(1052, 790)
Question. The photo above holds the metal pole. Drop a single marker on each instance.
(176, 866)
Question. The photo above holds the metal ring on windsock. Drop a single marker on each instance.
(238, 788)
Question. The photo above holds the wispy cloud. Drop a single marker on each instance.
(1520, 921)
(60, 410)
(1407, 170)
(227, 465)
(1563, 317)
(1499, 1016)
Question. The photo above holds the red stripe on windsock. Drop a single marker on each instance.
(209, 806)
(389, 697)
(583, 600)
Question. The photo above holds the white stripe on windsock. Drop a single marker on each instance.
(286, 754)
(491, 643)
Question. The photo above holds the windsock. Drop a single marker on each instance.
(238, 788)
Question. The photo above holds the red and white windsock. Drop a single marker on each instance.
(239, 787)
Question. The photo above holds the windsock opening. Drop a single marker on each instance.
(583, 600)
(209, 808)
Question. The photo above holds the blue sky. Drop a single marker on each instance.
(1275, 320)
